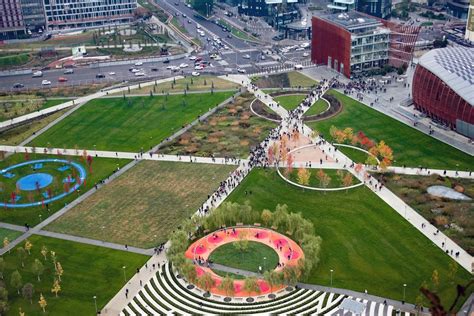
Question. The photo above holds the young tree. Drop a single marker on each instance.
(242, 244)
(290, 275)
(3, 300)
(266, 217)
(2, 267)
(53, 257)
(272, 278)
(37, 268)
(16, 281)
(27, 291)
(303, 176)
(251, 285)
(227, 285)
(205, 282)
(42, 303)
(20, 251)
(59, 270)
(323, 178)
(189, 271)
(347, 180)
(44, 252)
(6, 242)
(56, 287)
(435, 279)
(453, 270)
(289, 164)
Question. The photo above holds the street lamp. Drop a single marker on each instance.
(264, 266)
(95, 303)
(124, 277)
(331, 276)
(404, 288)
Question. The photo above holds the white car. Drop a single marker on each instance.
(111, 73)
(138, 63)
(183, 65)
(242, 71)
(192, 58)
(195, 74)
(170, 67)
(246, 56)
(37, 74)
(45, 82)
(139, 74)
(198, 67)
(134, 70)
(305, 54)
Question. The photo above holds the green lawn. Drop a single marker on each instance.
(237, 33)
(290, 102)
(250, 259)
(101, 168)
(297, 79)
(14, 60)
(88, 271)
(10, 234)
(145, 204)
(410, 147)
(318, 107)
(128, 125)
(13, 108)
(366, 243)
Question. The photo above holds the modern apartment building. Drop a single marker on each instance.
(276, 12)
(33, 14)
(11, 19)
(87, 13)
(378, 8)
(470, 23)
(458, 8)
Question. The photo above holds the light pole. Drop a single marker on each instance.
(264, 265)
(331, 276)
(95, 303)
(124, 277)
(404, 287)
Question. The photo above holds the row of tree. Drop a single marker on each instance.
(304, 175)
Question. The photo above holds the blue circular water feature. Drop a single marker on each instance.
(34, 181)
(38, 180)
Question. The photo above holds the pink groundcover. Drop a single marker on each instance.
(289, 252)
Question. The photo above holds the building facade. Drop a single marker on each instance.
(33, 14)
(470, 23)
(11, 19)
(87, 13)
(276, 12)
(378, 8)
(443, 87)
(458, 8)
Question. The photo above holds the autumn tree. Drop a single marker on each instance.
(303, 176)
(251, 285)
(44, 252)
(266, 217)
(27, 291)
(56, 287)
(42, 303)
(2, 267)
(323, 178)
(38, 268)
(205, 281)
(6, 242)
(435, 279)
(59, 270)
(347, 180)
(21, 253)
(289, 165)
(15, 281)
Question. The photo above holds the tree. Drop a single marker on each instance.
(323, 178)
(205, 281)
(59, 270)
(242, 244)
(251, 285)
(272, 278)
(347, 180)
(289, 164)
(189, 271)
(56, 287)
(435, 279)
(16, 281)
(44, 252)
(53, 257)
(290, 275)
(20, 251)
(266, 217)
(227, 285)
(38, 268)
(303, 176)
(6, 242)
(42, 303)
(2, 267)
(3, 300)
(453, 269)
(27, 291)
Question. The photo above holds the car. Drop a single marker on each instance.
(135, 70)
(305, 45)
(176, 3)
(111, 73)
(242, 71)
(184, 15)
(62, 79)
(189, 21)
(169, 67)
(305, 54)
(192, 58)
(198, 26)
(18, 86)
(229, 35)
(198, 67)
(99, 76)
(45, 82)
(68, 71)
(246, 56)
(139, 74)
(262, 57)
(138, 63)
(189, 5)
(298, 67)
(183, 65)
(167, 61)
(195, 74)
(154, 69)
(37, 74)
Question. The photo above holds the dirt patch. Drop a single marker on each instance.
(334, 109)
(261, 109)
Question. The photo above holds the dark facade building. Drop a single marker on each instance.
(458, 8)
(443, 87)
(276, 12)
(11, 19)
(378, 8)
(352, 42)
(33, 14)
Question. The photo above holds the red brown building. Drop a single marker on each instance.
(443, 87)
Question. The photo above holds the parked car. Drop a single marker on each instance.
(183, 65)
(111, 73)
(195, 74)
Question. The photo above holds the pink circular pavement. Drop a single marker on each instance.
(289, 252)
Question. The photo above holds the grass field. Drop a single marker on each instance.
(410, 147)
(101, 168)
(14, 107)
(290, 102)
(16, 60)
(238, 33)
(88, 271)
(128, 125)
(366, 243)
(145, 204)
(201, 83)
(18, 134)
(318, 107)
(10, 234)
(292, 79)
(250, 259)
(230, 132)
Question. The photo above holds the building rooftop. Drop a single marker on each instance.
(455, 66)
(352, 20)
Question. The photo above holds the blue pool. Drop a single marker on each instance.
(34, 181)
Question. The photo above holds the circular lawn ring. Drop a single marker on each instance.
(288, 251)
(260, 111)
(38, 181)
